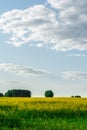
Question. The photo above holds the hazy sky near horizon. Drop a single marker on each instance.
(43, 45)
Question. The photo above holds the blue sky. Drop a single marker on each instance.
(43, 45)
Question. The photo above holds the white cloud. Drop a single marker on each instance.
(39, 45)
(73, 75)
(62, 29)
(23, 70)
(12, 82)
(77, 55)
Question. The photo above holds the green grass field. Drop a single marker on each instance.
(43, 113)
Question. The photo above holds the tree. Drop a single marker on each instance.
(18, 93)
(1, 95)
(72, 96)
(49, 93)
(77, 96)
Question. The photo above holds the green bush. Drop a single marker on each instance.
(49, 93)
(18, 93)
(77, 96)
(1, 95)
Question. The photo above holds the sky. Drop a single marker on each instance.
(43, 46)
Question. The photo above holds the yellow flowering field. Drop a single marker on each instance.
(19, 112)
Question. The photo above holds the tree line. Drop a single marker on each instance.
(27, 93)
(24, 93)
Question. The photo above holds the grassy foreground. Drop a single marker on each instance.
(43, 113)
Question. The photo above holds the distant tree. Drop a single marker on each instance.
(1, 95)
(49, 93)
(77, 96)
(18, 93)
(8, 93)
(72, 96)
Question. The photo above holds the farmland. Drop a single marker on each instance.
(43, 113)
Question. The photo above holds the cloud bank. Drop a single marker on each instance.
(22, 70)
(77, 55)
(74, 75)
(62, 27)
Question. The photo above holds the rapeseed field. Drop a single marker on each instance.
(43, 113)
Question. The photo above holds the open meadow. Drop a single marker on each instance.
(43, 113)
